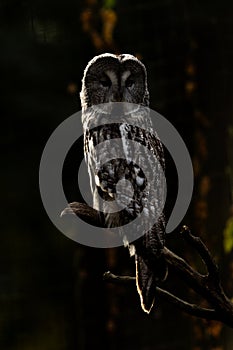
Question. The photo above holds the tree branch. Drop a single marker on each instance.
(192, 309)
(208, 286)
(203, 251)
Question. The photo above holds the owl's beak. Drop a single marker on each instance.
(117, 96)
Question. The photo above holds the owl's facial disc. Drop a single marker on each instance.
(112, 86)
(110, 78)
(118, 86)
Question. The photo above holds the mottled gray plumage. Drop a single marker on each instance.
(110, 78)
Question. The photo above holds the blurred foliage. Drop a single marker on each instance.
(228, 236)
(109, 4)
(94, 16)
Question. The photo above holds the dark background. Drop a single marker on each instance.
(52, 295)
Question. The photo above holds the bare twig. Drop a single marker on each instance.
(208, 285)
(203, 251)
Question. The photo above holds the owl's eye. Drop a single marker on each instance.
(129, 83)
(105, 82)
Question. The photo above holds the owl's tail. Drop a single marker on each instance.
(147, 279)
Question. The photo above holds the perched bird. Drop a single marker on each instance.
(122, 78)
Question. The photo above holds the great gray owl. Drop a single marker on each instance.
(110, 78)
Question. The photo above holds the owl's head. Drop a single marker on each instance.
(111, 78)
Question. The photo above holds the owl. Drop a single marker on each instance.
(126, 184)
